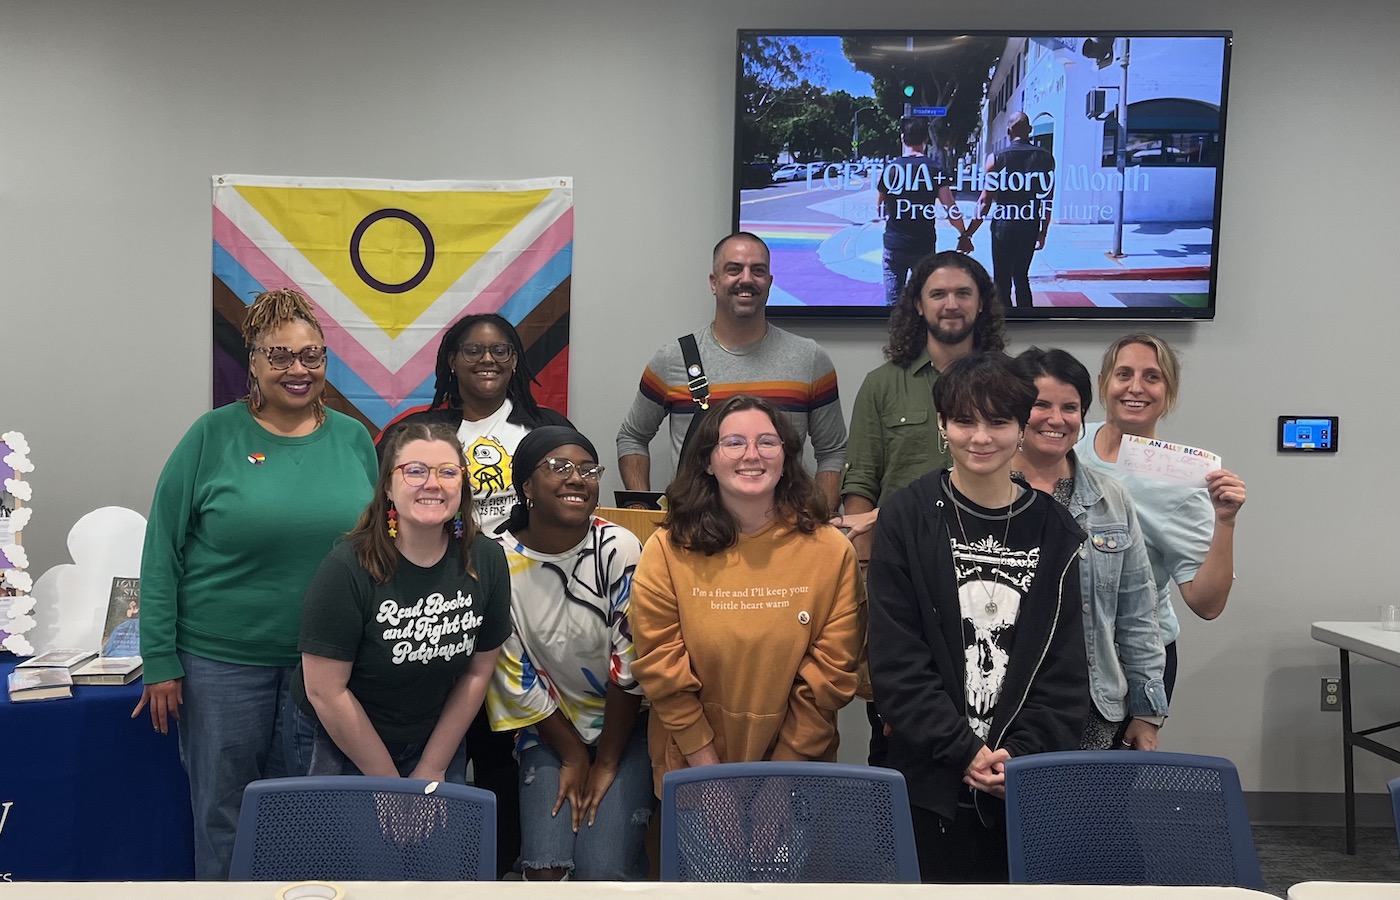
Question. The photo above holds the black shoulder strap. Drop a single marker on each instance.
(698, 384)
(695, 371)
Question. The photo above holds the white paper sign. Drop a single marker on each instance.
(1163, 461)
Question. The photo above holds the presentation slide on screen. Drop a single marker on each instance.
(1116, 219)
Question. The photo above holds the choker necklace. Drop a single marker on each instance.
(991, 607)
(714, 337)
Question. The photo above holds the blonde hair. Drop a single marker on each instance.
(1167, 361)
(269, 310)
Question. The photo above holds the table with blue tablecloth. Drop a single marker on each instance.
(89, 794)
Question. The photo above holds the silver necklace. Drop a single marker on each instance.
(751, 347)
(991, 606)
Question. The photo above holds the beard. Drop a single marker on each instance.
(951, 334)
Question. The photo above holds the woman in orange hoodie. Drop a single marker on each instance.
(745, 602)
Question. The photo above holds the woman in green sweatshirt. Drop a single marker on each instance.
(249, 503)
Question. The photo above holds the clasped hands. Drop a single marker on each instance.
(583, 784)
(987, 771)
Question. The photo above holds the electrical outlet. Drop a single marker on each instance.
(1331, 695)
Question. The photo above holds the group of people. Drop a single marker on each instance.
(316, 605)
(1019, 584)
(1018, 198)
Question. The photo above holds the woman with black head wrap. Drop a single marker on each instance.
(564, 676)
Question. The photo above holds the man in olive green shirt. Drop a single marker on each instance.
(948, 309)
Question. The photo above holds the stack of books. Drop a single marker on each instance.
(47, 676)
(40, 684)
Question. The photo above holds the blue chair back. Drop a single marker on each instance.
(358, 828)
(787, 822)
(1394, 785)
(1128, 817)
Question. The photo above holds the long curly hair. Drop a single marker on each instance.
(696, 516)
(909, 330)
(446, 391)
(373, 547)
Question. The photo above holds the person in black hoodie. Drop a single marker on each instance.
(976, 641)
(483, 393)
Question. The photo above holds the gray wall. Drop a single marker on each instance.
(113, 116)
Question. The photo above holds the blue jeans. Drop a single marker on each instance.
(897, 264)
(313, 752)
(231, 734)
(613, 849)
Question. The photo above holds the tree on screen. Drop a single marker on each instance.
(951, 71)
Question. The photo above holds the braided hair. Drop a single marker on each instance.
(269, 310)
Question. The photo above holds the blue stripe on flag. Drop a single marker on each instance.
(236, 278)
(532, 293)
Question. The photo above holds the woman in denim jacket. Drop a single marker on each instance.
(1121, 635)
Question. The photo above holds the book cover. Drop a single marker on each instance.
(116, 670)
(39, 684)
(121, 632)
(65, 658)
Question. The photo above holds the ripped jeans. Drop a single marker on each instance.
(614, 848)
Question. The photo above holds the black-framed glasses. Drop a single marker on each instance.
(473, 352)
(280, 358)
(415, 474)
(767, 446)
(564, 468)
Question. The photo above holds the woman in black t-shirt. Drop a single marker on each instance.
(402, 624)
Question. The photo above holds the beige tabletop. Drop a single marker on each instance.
(1344, 890)
(515, 890)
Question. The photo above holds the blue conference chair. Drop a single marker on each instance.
(1394, 785)
(358, 828)
(1128, 817)
(787, 822)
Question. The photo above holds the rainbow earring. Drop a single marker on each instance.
(458, 529)
(393, 522)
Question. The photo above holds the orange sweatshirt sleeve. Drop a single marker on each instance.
(663, 665)
(826, 677)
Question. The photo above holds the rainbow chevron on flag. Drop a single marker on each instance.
(388, 267)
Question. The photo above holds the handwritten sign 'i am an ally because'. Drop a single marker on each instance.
(1163, 461)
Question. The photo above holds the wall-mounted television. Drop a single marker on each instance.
(1111, 144)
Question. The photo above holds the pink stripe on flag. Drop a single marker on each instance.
(270, 275)
(526, 266)
(497, 294)
(394, 386)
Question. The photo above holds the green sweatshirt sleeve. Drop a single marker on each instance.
(162, 558)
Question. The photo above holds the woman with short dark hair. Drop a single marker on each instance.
(1126, 658)
(976, 647)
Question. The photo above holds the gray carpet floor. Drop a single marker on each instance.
(1289, 854)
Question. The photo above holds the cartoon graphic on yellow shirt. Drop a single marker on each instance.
(489, 465)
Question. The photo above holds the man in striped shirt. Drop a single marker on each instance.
(742, 354)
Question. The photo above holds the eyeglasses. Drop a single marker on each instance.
(473, 352)
(734, 445)
(415, 474)
(280, 358)
(563, 469)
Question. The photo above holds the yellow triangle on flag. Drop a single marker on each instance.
(373, 245)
